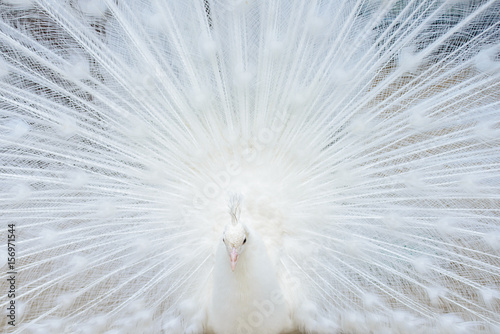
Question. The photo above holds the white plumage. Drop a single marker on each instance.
(246, 296)
(363, 137)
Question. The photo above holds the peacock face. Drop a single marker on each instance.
(234, 238)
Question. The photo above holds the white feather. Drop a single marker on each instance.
(363, 136)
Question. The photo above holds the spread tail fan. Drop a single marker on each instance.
(224, 166)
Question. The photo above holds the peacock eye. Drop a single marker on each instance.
(223, 240)
(244, 241)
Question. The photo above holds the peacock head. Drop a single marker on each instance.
(235, 234)
(235, 238)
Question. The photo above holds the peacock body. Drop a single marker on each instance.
(251, 166)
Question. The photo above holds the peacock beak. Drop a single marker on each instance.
(234, 258)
